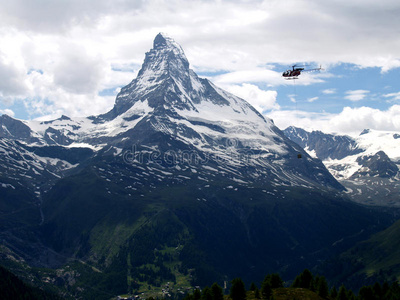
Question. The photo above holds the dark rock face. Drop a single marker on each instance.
(371, 179)
(325, 145)
(14, 129)
(378, 165)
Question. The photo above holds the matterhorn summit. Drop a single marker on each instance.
(165, 82)
(167, 108)
(165, 69)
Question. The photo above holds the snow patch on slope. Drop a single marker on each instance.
(371, 141)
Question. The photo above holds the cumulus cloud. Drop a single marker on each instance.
(46, 98)
(356, 95)
(12, 81)
(393, 96)
(313, 99)
(286, 118)
(48, 16)
(73, 46)
(349, 121)
(7, 111)
(329, 91)
(244, 32)
(255, 75)
(260, 99)
(77, 72)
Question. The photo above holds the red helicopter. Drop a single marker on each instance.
(296, 71)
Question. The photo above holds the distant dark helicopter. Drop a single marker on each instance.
(296, 71)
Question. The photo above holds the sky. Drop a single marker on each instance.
(71, 57)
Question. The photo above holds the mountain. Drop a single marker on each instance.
(367, 165)
(322, 145)
(170, 110)
(11, 287)
(376, 259)
(378, 165)
(180, 182)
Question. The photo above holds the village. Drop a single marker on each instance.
(168, 291)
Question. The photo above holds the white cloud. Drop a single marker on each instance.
(357, 119)
(256, 75)
(7, 111)
(244, 32)
(50, 99)
(75, 43)
(49, 16)
(393, 96)
(260, 99)
(356, 95)
(313, 99)
(292, 98)
(306, 120)
(11, 80)
(329, 91)
(77, 72)
(349, 121)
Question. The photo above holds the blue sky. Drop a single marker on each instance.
(347, 86)
(72, 56)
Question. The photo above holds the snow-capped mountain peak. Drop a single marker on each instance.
(374, 141)
(169, 109)
(366, 165)
(165, 61)
(165, 69)
(173, 95)
(164, 43)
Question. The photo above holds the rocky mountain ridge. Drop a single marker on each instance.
(368, 165)
(168, 100)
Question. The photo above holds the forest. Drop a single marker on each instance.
(305, 286)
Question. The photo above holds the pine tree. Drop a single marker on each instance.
(395, 290)
(304, 280)
(342, 295)
(238, 291)
(266, 290)
(350, 295)
(187, 297)
(196, 294)
(274, 280)
(377, 290)
(385, 289)
(253, 287)
(322, 287)
(333, 293)
(366, 293)
(206, 294)
(216, 291)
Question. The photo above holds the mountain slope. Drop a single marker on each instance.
(322, 145)
(179, 182)
(220, 228)
(368, 165)
(375, 259)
